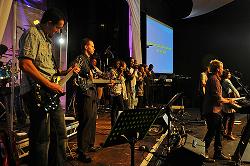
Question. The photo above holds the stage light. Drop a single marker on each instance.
(36, 22)
(61, 40)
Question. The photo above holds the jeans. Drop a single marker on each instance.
(47, 135)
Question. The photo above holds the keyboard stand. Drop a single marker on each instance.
(242, 144)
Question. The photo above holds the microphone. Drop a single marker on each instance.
(237, 72)
(107, 50)
(237, 78)
(96, 55)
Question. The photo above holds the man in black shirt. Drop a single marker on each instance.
(86, 97)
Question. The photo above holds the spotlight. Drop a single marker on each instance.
(61, 40)
(36, 22)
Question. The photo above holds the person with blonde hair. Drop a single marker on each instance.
(212, 106)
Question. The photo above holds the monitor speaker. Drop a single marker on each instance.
(190, 152)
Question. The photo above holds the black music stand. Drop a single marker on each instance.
(132, 125)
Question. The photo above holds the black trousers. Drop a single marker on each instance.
(117, 105)
(86, 114)
(214, 130)
(228, 122)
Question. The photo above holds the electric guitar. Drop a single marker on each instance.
(47, 100)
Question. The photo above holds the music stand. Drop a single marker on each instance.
(132, 125)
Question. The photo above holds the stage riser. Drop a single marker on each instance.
(22, 143)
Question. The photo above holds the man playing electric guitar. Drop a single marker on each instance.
(47, 134)
(86, 105)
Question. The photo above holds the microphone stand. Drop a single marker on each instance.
(243, 87)
(245, 136)
(109, 52)
(246, 91)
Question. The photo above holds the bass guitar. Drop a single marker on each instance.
(47, 100)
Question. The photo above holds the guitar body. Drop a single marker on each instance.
(84, 84)
(46, 100)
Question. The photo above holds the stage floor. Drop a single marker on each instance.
(120, 155)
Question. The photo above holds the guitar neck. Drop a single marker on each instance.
(63, 81)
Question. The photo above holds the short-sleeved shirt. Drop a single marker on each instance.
(36, 46)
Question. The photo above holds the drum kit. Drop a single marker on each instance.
(5, 79)
(5, 74)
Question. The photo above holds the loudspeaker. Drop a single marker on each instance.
(190, 152)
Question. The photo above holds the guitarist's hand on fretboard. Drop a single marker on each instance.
(75, 69)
